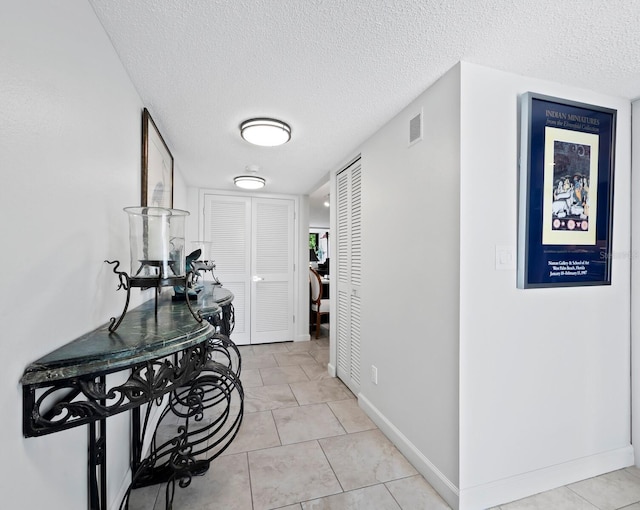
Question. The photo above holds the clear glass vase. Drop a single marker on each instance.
(156, 239)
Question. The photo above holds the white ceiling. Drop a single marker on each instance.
(337, 70)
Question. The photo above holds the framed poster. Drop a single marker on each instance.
(157, 166)
(565, 206)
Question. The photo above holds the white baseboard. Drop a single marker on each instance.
(332, 370)
(533, 482)
(302, 338)
(500, 491)
(425, 467)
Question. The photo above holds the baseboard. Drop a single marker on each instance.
(500, 491)
(447, 489)
(302, 338)
(332, 370)
(527, 484)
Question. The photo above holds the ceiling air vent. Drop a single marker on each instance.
(415, 129)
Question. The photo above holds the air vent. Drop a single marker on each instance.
(415, 129)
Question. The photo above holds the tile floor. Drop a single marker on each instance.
(304, 444)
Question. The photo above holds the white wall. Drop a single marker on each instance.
(544, 373)
(410, 282)
(635, 282)
(540, 377)
(70, 136)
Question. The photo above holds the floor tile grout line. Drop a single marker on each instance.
(331, 466)
(581, 497)
(246, 454)
(391, 493)
(276, 427)
(336, 417)
(293, 393)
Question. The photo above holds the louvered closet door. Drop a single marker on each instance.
(349, 274)
(272, 268)
(227, 224)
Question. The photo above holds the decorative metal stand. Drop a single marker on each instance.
(89, 400)
(198, 423)
(162, 280)
(203, 405)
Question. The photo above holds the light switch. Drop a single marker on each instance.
(505, 258)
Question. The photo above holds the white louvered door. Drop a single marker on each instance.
(253, 251)
(349, 274)
(272, 268)
(227, 225)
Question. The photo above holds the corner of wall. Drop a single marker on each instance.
(635, 280)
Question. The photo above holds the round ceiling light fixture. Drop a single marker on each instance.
(250, 180)
(265, 132)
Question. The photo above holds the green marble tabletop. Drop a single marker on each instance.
(214, 295)
(140, 337)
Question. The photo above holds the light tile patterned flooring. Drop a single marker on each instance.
(304, 444)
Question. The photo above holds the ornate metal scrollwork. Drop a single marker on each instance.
(124, 284)
(58, 407)
(209, 410)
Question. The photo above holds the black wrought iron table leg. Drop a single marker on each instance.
(97, 461)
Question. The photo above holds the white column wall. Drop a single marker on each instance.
(70, 134)
(410, 282)
(544, 373)
(635, 282)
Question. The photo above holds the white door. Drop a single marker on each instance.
(272, 270)
(349, 274)
(227, 225)
(253, 246)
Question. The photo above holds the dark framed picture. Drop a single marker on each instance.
(157, 166)
(565, 206)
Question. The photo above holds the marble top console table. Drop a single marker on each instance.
(173, 367)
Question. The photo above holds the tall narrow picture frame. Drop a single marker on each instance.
(157, 166)
(565, 207)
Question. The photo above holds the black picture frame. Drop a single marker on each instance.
(157, 166)
(565, 203)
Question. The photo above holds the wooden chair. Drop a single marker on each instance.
(319, 306)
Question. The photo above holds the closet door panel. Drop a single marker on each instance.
(349, 275)
(272, 267)
(227, 225)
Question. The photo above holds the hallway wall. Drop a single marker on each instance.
(71, 148)
(411, 281)
(544, 373)
(634, 256)
(539, 377)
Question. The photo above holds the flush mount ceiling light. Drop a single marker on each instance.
(250, 180)
(265, 132)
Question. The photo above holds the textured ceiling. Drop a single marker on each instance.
(337, 70)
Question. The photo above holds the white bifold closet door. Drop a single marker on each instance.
(349, 274)
(253, 252)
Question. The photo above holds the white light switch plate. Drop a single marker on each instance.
(505, 258)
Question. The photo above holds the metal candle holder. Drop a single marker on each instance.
(156, 238)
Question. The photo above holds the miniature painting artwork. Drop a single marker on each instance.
(571, 165)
